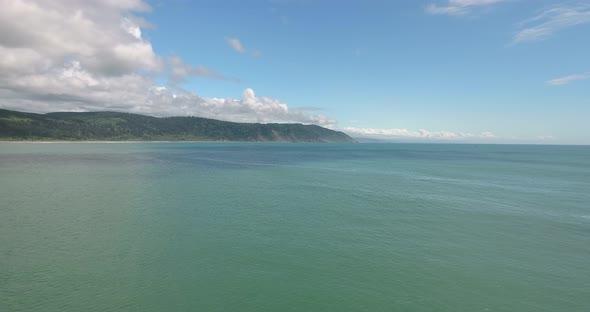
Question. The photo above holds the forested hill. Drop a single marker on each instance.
(123, 126)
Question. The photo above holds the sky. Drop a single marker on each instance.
(486, 71)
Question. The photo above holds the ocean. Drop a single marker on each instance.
(294, 227)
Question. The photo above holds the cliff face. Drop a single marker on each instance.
(122, 126)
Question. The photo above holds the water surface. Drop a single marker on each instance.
(294, 227)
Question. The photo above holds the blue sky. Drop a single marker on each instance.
(392, 64)
(456, 70)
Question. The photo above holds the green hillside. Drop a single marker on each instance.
(114, 126)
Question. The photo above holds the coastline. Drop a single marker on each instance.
(113, 142)
(146, 141)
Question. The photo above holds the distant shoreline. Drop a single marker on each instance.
(276, 142)
(115, 142)
(125, 127)
(146, 141)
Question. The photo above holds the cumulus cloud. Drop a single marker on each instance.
(77, 55)
(459, 7)
(552, 20)
(416, 134)
(567, 79)
(97, 34)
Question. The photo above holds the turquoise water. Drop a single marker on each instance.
(294, 227)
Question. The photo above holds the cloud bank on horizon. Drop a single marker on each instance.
(418, 134)
(77, 55)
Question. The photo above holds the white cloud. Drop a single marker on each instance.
(459, 7)
(445, 10)
(97, 34)
(552, 20)
(236, 44)
(131, 28)
(567, 79)
(74, 89)
(179, 71)
(77, 55)
(416, 134)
